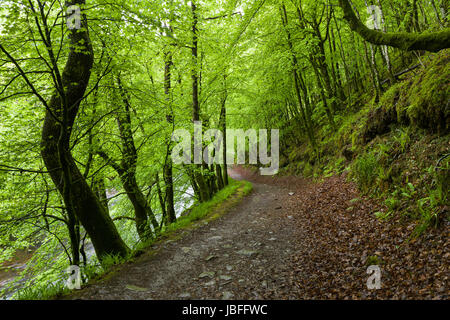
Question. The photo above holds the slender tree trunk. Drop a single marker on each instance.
(168, 168)
(74, 235)
(199, 178)
(162, 203)
(373, 68)
(284, 21)
(384, 49)
(142, 209)
(223, 126)
(128, 168)
(100, 191)
(342, 54)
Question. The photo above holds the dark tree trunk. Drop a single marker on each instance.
(62, 110)
(162, 203)
(223, 126)
(142, 209)
(168, 169)
(198, 176)
(100, 191)
(284, 20)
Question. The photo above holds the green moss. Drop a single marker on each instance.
(428, 98)
(391, 96)
(420, 101)
(374, 260)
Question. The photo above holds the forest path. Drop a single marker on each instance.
(231, 257)
(288, 239)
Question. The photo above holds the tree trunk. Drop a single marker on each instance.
(168, 181)
(284, 20)
(60, 116)
(100, 190)
(162, 203)
(198, 176)
(142, 209)
(168, 169)
(223, 126)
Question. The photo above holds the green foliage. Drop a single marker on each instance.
(245, 61)
(430, 207)
(365, 169)
(42, 292)
(334, 167)
(373, 260)
(402, 138)
(109, 261)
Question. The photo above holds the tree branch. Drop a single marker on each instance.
(434, 41)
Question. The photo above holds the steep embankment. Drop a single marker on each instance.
(396, 150)
(289, 239)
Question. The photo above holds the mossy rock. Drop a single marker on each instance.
(378, 122)
(428, 100)
(421, 101)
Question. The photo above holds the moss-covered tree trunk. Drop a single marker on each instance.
(142, 209)
(60, 116)
(126, 169)
(434, 41)
(100, 190)
(204, 192)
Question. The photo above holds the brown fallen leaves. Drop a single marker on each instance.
(337, 238)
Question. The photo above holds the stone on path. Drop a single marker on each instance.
(246, 252)
(186, 249)
(136, 288)
(209, 274)
(227, 295)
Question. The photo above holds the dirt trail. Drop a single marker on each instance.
(289, 239)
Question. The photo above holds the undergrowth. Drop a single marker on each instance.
(395, 150)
